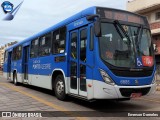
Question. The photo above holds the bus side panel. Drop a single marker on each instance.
(40, 70)
(17, 66)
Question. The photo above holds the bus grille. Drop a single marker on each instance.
(127, 73)
(126, 92)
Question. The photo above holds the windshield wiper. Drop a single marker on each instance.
(120, 26)
(139, 36)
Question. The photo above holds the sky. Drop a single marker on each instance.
(37, 15)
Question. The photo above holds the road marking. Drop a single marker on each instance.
(44, 101)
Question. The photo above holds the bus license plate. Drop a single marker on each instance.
(135, 95)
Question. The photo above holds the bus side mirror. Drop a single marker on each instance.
(97, 28)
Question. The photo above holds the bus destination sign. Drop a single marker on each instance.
(121, 15)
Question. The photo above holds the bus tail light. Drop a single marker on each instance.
(106, 77)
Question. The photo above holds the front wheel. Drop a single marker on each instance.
(59, 88)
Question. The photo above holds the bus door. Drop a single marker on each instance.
(25, 63)
(78, 42)
(9, 65)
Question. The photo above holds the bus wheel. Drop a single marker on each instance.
(15, 79)
(59, 88)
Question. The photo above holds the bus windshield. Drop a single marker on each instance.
(126, 46)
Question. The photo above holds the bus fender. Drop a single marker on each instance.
(56, 72)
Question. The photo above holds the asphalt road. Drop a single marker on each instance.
(30, 98)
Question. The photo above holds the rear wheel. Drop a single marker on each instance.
(59, 87)
(15, 79)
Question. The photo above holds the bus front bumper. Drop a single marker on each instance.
(105, 91)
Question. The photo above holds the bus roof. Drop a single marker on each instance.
(83, 13)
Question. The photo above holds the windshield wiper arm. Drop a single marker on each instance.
(118, 31)
(139, 36)
(120, 26)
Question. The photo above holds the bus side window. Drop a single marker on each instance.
(34, 49)
(17, 53)
(45, 45)
(13, 56)
(59, 40)
(6, 56)
(74, 45)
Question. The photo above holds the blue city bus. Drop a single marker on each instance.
(99, 53)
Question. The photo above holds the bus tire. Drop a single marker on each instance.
(15, 79)
(59, 88)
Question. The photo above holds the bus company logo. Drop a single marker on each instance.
(7, 6)
(9, 10)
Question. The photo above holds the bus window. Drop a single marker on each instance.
(45, 45)
(17, 53)
(83, 44)
(59, 39)
(73, 82)
(83, 78)
(74, 45)
(5, 56)
(34, 49)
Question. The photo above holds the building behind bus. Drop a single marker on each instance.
(2, 51)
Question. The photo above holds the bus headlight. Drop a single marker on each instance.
(154, 78)
(106, 77)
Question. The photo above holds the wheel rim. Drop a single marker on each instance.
(60, 87)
